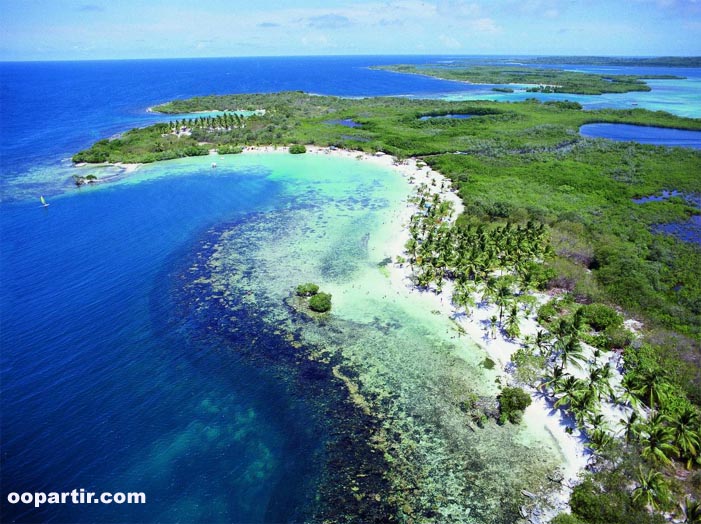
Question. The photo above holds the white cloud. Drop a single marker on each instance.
(485, 25)
(449, 42)
(329, 21)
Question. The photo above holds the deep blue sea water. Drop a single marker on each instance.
(102, 388)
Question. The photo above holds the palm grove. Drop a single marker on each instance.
(503, 264)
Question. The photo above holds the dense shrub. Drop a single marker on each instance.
(618, 337)
(547, 312)
(566, 518)
(529, 366)
(594, 505)
(564, 104)
(307, 290)
(321, 302)
(297, 149)
(512, 402)
(229, 149)
(601, 317)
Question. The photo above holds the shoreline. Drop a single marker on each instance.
(151, 109)
(125, 167)
(540, 413)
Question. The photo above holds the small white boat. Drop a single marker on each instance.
(44, 203)
(214, 164)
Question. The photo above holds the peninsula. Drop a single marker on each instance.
(598, 313)
(539, 80)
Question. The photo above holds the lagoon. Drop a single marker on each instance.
(644, 135)
(456, 116)
(346, 122)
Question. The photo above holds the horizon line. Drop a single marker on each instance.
(557, 55)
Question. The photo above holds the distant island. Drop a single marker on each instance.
(542, 80)
(661, 61)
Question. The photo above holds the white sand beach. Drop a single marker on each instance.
(539, 415)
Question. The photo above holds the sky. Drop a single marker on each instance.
(119, 29)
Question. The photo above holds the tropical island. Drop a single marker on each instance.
(661, 61)
(541, 80)
(548, 230)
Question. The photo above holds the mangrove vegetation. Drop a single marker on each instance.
(312, 298)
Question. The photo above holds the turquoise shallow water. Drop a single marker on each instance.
(399, 361)
(677, 96)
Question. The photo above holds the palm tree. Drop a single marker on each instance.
(597, 421)
(600, 440)
(628, 397)
(425, 277)
(631, 426)
(553, 381)
(542, 341)
(527, 279)
(652, 490)
(571, 352)
(649, 386)
(594, 376)
(490, 289)
(503, 295)
(578, 320)
(565, 329)
(583, 404)
(493, 325)
(571, 389)
(658, 418)
(605, 381)
(412, 247)
(468, 266)
(512, 325)
(462, 297)
(686, 435)
(439, 281)
(656, 442)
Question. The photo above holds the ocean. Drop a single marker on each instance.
(131, 361)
